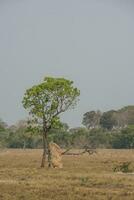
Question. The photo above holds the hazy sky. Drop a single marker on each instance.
(88, 41)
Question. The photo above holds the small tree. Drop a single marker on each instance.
(46, 102)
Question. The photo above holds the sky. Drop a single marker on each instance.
(88, 41)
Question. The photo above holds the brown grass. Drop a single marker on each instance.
(82, 177)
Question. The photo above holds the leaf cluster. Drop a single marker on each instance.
(50, 98)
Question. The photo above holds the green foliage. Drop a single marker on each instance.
(108, 120)
(78, 137)
(50, 98)
(123, 139)
(127, 108)
(99, 138)
(91, 119)
(21, 137)
(84, 181)
(28, 134)
(3, 125)
(46, 102)
(124, 167)
(3, 133)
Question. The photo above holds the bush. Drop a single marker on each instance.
(123, 139)
(124, 167)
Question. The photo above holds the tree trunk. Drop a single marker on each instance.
(46, 147)
(49, 156)
(43, 159)
(44, 150)
(24, 145)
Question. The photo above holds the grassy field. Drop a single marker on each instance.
(82, 177)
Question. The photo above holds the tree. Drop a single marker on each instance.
(128, 113)
(108, 119)
(99, 138)
(3, 125)
(46, 101)
(23, 135)
(26, 133)
(3, 133)
(124, 138)
(91, 119)
(79, 137)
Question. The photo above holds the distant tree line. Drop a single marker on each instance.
(112, 119)
(111, 129)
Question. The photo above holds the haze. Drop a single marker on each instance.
(89, 41)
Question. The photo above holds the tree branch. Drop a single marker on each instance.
(86, 150)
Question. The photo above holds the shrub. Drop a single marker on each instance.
(123, 167)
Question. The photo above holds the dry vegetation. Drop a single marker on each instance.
(83, 177)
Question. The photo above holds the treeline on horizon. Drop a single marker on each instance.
(111, 129)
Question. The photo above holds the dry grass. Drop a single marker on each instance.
(82, 177)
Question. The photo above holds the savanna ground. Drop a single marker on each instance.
(83, 177)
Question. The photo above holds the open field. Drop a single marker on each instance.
(82, 177)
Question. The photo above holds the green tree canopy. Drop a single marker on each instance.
(46, 101)
(92, 119)
(108, 120)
